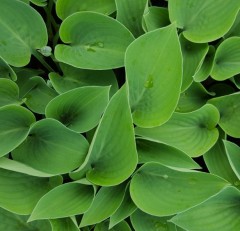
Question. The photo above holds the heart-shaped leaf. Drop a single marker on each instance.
(52, 148)
(229, 109)
(227, 59)
(149, 151)
(171, 191)
(15, 122)
(65, 8)
(64, 201)
(203, 21)
(9, 93)
(233, 154)
(76, 77)
(130, 14)
(155, 91)
(79, 109)
(22, 192)
(11, 221)
(220, 212)
(92, 45)
(112, 155)
(98, 211)
(194, 133)
(22, 32)
(193, 56)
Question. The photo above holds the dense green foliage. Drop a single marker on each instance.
(119, 115)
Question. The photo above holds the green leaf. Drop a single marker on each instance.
(6, 71)
(22, 31)
(12, 222)
(122, 226)
(126, 208)
(155, 17)
(227, 59)
(229, 109)
(65, 224)
(92, 45)
(15, 123)
(20, 193)
(162, 191)
(49, 146)
(130, 14)
(193, 133)
(112, 155)
(142, 221)
(233, 154)
(79, 109)
(149, 151)
(193, 56)
(221, 89)
(203, 21)
(105, 203)
(9, 93)
(40, 2)
(217, 162)
(220, 212)
(63, 201)
(16, 166)
(155, 91)
(75, 77)
(193, 98)
(234, 31)
(65, 8)
(205, 69)
(38, 95)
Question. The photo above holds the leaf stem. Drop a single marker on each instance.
(40, 58)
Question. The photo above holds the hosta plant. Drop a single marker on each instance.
(119, 115)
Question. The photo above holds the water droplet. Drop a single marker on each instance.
(89, 48)
(149, 82)
(100, 44)
(178, 109)
(237, 183)
(165, 176)
(160, 226)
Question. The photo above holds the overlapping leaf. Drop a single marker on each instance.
(229, 109)
(64, 201)
(227, 59)
(92, 45)
(162, 191)
(9, 93)
(65, 8)
(20, 193)
(193, 133)
(52, 148)
(6, 71)
(203, 21)
(154, 88)
(79, 109)
(130, 14)
(15, 122)
(98, 211)
(76, 77)
(112, 155)
(220, 212)
(22, 32)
